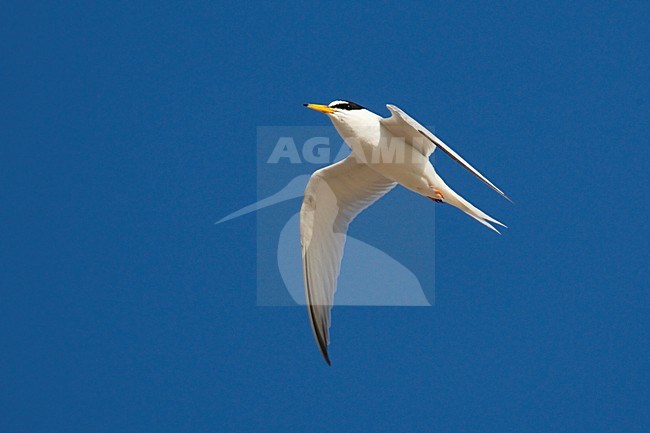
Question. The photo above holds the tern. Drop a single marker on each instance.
(385, 152)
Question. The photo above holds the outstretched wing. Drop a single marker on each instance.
(401, 124)
(333, 197)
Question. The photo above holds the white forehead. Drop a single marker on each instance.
(337, 102)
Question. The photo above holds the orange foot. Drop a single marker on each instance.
(438, 197)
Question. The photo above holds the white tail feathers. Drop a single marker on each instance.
(451, 197)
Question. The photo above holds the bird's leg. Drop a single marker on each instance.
(437, 196)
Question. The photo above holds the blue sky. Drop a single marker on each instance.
(128, 129)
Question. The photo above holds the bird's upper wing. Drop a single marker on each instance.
(404, 126)
(333, 197)
(401, 124)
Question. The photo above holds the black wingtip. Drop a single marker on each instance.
(322, 345)
(502, 194)
(327, 358)
(304, 105)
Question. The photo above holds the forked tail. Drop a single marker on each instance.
(451, 197)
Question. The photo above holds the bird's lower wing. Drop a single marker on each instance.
(401, 124)
(333, 197)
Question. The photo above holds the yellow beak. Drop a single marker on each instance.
(322, 108)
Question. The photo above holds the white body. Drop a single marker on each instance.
(391, 156)
(385, 152)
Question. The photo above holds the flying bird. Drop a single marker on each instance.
(385, 152)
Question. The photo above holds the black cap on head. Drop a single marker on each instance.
(345, 105)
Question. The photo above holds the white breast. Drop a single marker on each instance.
(386, 153)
